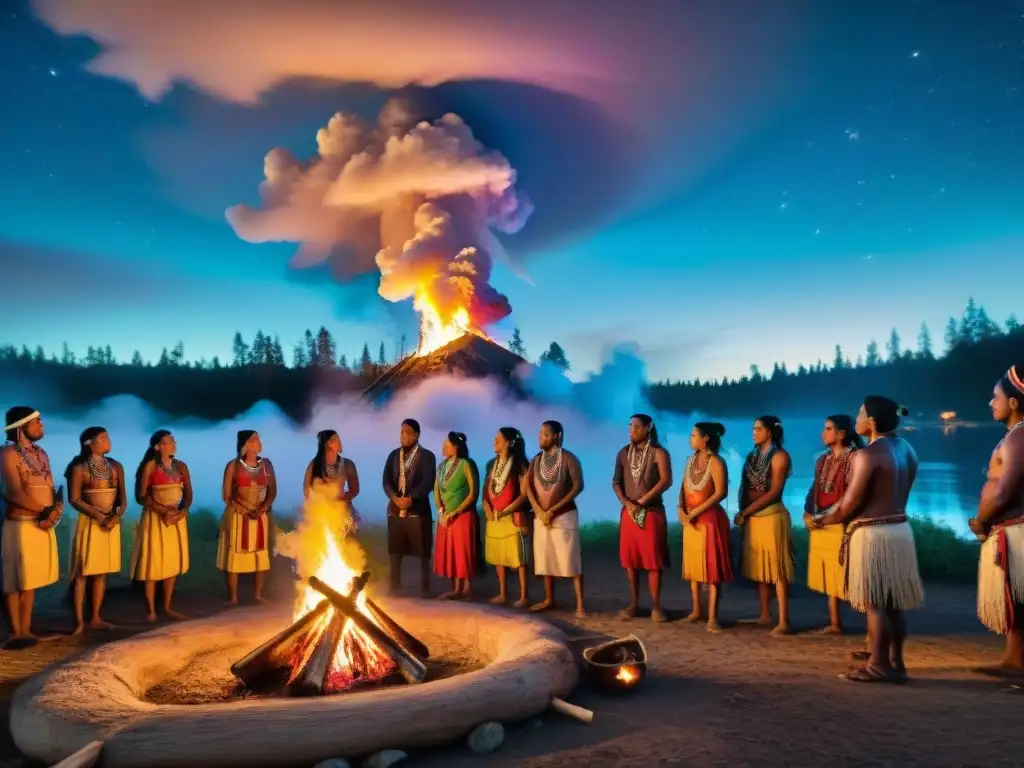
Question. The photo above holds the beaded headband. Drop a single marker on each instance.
(22, 422)
(1015, 380)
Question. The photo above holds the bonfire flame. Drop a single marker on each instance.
(435, 331)
(321, 549)
(627, 675)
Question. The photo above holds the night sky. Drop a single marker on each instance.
(723, 183)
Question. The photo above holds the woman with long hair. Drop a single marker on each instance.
(248, 489)
(163, 487)
(96, 488)
(767, 549)
(456, 551)
(707, 547)
(831, 472)
(506, 509)
(334, 474)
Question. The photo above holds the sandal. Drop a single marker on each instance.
(869, 674)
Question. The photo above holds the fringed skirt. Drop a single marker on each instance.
(707, 548)
(767, 550)
(1001, 579)
(881, 568)
(824, 573)
(646, 548)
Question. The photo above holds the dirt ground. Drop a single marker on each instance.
(736, 698)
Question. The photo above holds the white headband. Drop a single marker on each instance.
(22, 422)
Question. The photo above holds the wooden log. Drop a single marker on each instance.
(311, 678)
(255, 666)
(86, 757)
(396, 631)
(579, 713)
(412, 669)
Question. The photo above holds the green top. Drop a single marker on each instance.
(452, 484)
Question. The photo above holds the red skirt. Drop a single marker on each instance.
(456, 548)
(644, 548)
(707, 557)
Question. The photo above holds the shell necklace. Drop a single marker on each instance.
(550, 468)
(758, 466)
(696, 479)
(638, 460)
(827, 483)
(499, 475)
(98, 468)
(405, 462)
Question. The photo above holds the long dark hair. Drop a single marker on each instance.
(556, 428)
(885, 411)
(150, 454)
(84, 441)
(713, 431)
(458, 441)
(648, 422)
(320, 460)
(845, 424)
(516, 449)
(774, 425)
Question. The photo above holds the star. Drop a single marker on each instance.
(852, 134)
(817, 231)
(783, 206)
(915, 54)
(53, 72)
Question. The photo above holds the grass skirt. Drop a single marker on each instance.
(824, 573)
(882, 568)
(1001, 578)
(767, 550)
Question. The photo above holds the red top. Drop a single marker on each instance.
(825, 497)
(246, 479)
(512, 491)
(160, 476)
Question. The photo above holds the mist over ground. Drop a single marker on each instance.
(594, 412)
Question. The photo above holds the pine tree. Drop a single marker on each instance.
(893, 350)
(300, 358)
(872, 358)
(860, 361)
(755, 373)
(1012, 326)
(90, 355)
(137, 359)
(67, 357)
(240, 350)
(343, 362)
(985, 327)
(515, 344)
(258, 350)
(381, 357)
(178, 354)
(165, 359)
(968, 333)
(215, 363)
(365, 361)
(325, 351)
(924, 343)
(310, 347)
(277, 353)
(401, 352)
(39, 356)
(838, 360)
(108, 356)
(952, 335)
(555, 355)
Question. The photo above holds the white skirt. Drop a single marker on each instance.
(882, 568)
(556, 548)
(992, 578)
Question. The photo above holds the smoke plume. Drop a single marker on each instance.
(420, 200)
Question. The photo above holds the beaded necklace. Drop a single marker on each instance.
(549, 468)
(171, 470)
(98, 468)
(758, 467)
(828, 480)
(695, 478)
(34, 460)
(335, 469)
(499, 474)
(447, 473)
(405, 466)
(253, 471)
(638, 461)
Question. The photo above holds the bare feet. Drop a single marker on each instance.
(782, 630)
(693, 618)
(764, 621)
(448, 596)
(100, 624)
(260, 600)
(43, 638)
(151, 617)
(522, 602)
(19, 643)
(170, 613)
(658, 616)
(1000, 670)
(78, 630)
(231, 603)
(627, 613)
(714, 626)
(831, 629)
(580, 612)
(543, 605)
(499, 600)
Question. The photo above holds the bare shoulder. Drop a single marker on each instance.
(717, 461)
(349, 464)
(1014, 440)
(227, 467)
(571, 457)
(7, 453)
(781, 458)
(182, 466)
(269, 464)
(662, 453)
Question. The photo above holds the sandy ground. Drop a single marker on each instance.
(736, 698)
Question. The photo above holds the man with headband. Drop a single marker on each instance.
(408, 482)
(31, 509)
(999, 525)
(878, 551)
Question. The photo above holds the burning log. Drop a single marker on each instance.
(313, 673)
(411, 667)
(397, 632)
(276, 654)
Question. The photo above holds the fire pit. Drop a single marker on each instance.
(617, 666)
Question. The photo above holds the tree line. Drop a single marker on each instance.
(976, 350)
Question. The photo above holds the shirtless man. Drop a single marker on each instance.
(32, 508)
(552, 483)
(878, 549)
(1000, 525)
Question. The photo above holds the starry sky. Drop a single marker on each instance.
(721, 183)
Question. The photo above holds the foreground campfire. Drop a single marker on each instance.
(345, 641)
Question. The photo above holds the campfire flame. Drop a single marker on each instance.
(627, 675)
(322, 549)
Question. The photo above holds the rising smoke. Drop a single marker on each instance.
(419, 201)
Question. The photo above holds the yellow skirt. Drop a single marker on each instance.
(767, 553)
(824, 574)
(29, 556)
(94, 551)
(231, 557)
(159, 551)
(505, 544)
(694, 559)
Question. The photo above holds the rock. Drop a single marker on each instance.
(384, 759)
(334, 762)
(486, 738)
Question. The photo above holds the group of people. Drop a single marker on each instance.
(861, 545)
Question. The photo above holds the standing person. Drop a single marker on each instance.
(96, 488)
(408, 482)
(553, 482)
(456, 554)
(507, 511)
(707, 546)
(248, 489)
(643, 471)
(1000, 525)
(329, 469)
(878, 550)
(163, 488)
(831, 472)
(767, 549)
(32, 507)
